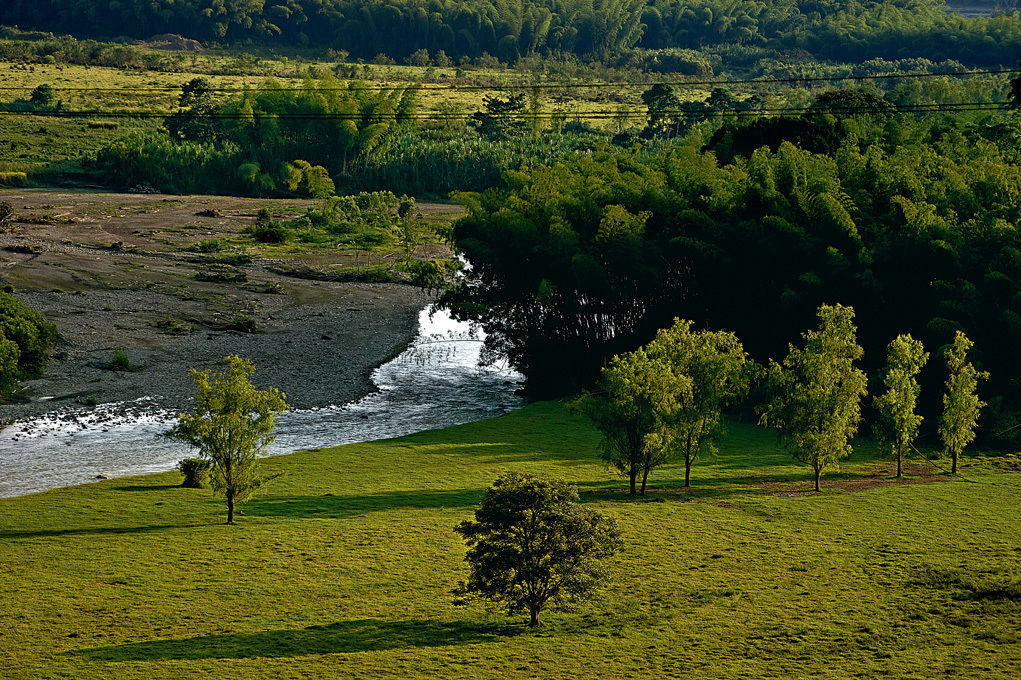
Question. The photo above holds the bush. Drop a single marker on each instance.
(268, 232)
(13, 179)
(195, 471)
(120, 360)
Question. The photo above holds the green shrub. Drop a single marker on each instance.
(195, 471)
(26, 338)
(271, 232)
(120, 361)
(13, 179)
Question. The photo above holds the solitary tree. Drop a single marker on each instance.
(634, 399)
(817, 392)
(533, 547)
(712, 368)
(961, 405)
(898, 422)
(231, 426)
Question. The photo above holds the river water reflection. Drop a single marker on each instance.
(434, 383)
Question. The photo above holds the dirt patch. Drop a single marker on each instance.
(131, 271)
(869, 477)
(859, 478)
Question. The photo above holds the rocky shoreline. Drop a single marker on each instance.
(318, 353)
(119, 271)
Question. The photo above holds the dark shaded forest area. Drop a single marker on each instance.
(509, 29)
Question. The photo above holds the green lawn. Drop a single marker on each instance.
(343, 568)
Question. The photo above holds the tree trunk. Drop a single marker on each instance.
(953, 465)
(535, 618)
(230, 509)
(645, 476)
(634, 476)
(898, 462)
(818, 471)
(687, 469)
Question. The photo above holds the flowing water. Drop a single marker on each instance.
(434, 383)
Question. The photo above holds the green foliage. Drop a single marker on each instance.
(231, 426)
(491, 31)
(636, 397)
(961, 405)
(816, 404)
(532, 547)
(713, 368)
(586, 258)
(267, 230)
(120, 360)
(195, 471)
(898, 422)
(26, 338)
(43, 96)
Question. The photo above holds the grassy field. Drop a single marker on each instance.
(343, 568)
(30, 142)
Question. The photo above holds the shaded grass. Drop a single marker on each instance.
(343, 568)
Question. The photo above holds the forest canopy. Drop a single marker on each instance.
(852, 30)
(911, 222)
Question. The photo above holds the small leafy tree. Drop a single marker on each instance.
(818, 390)
(898, 422)
(713, 370)
(533, 547)
(961, 405)
(231, 426)
(43, 97)
(635, 397)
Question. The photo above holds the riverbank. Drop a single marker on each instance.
(131, 271)
(318, 352)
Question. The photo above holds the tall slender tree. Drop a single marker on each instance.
(961, 405)
(712, 368)
(231, 426)
(634, 400)
(818, 390)
(898, 422)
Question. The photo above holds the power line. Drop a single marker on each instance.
(438, 87)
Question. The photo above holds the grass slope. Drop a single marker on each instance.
(343, 569)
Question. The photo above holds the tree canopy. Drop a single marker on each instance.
(26, 338)
(231, 426)
(817, 392)
(584, 259)
(532, 547)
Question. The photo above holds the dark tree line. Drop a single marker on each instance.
(912, 223)
(853, 30)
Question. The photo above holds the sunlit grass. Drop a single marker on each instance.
(343, 568)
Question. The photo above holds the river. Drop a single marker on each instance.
(435, 382)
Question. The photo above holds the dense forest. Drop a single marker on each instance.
(508, 29)
(911, 222)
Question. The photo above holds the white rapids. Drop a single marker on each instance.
(435, 382)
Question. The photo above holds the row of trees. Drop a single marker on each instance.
(666, 399)
(509, 29)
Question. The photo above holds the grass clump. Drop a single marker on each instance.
(120, 361)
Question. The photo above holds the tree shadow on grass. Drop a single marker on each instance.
(146, 487)
(84, 531)
(342, 637)
(339, 507)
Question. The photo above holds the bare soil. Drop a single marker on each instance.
(112, 270)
